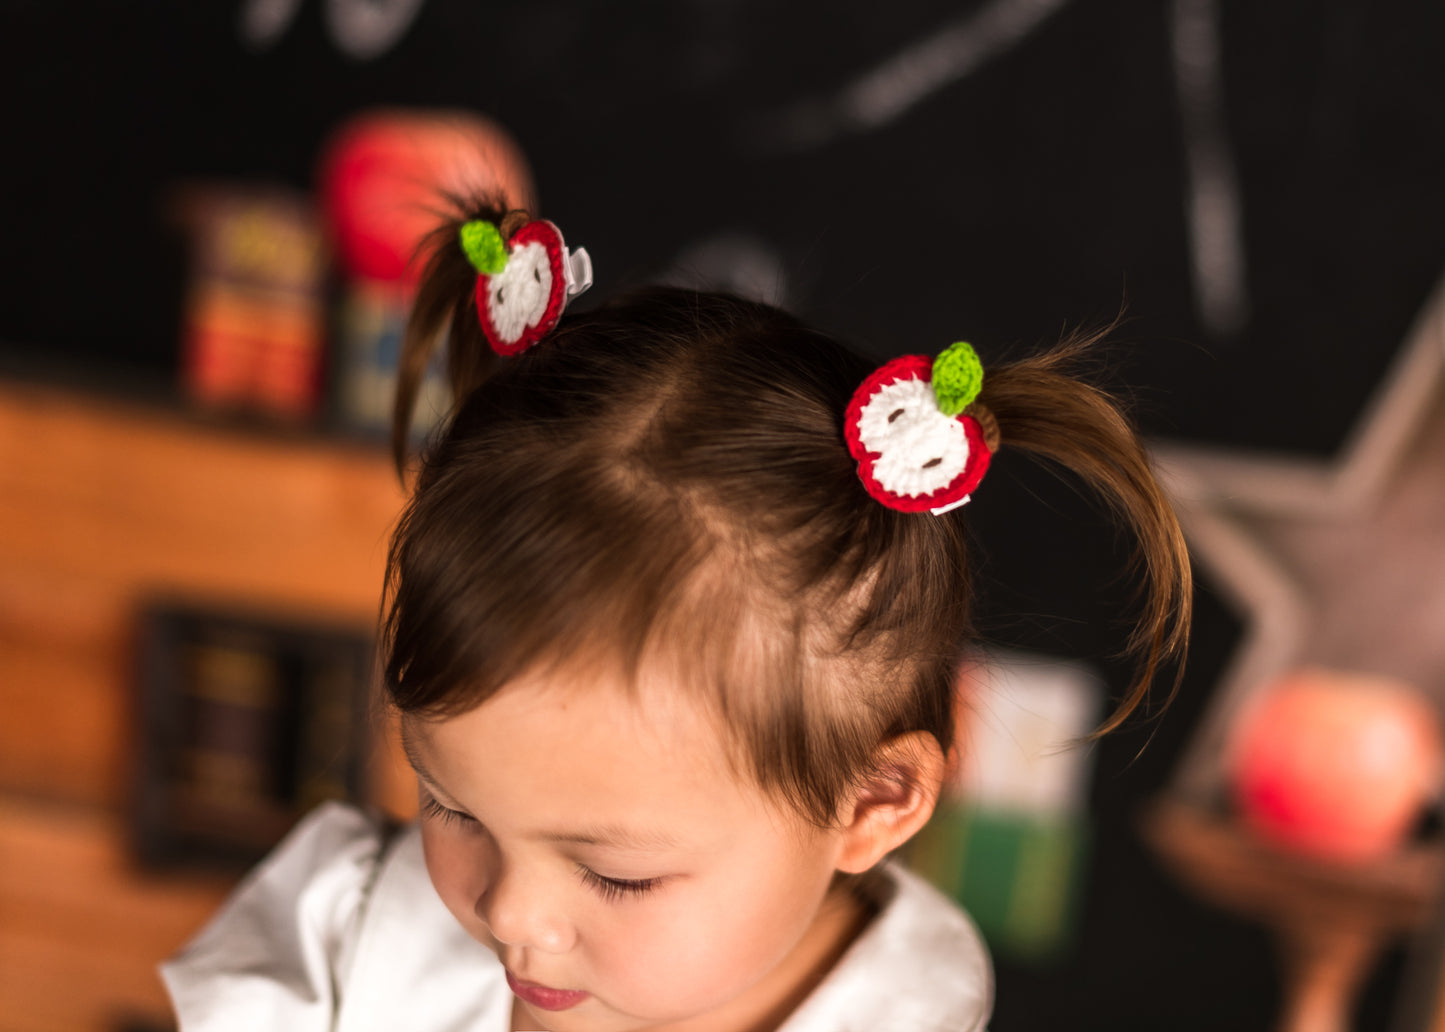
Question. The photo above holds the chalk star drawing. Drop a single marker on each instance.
(1213, 209)
(884, 94)
(1337, 562)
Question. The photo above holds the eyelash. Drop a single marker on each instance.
(614, 889)
(610, 889)
(445, 814)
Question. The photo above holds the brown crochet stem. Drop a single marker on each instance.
(987, 423)
(513, 221)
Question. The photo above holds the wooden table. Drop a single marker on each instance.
(1331, 921)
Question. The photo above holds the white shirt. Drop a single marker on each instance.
(340, 930)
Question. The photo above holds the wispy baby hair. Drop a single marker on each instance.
(664, 481)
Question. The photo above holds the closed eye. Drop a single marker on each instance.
(614, 889)
(445, 814)
(894, 414)
(610, 889)
(932, 462)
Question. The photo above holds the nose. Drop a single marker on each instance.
(522, 909)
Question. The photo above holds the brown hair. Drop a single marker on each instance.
(666, 477)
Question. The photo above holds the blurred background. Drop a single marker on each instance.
(208, 212)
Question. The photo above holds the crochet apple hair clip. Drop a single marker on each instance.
(524, 282)
(908, 426)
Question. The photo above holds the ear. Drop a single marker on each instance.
(894, 802)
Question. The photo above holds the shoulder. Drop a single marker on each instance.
(949, 963)
(338, 929)
(920, 965)
(269, 956)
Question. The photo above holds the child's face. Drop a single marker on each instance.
(606, 848)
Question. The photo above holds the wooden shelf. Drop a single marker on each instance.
(102, 508)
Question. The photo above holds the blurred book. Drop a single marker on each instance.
(370, 326)
(254, 323)
(246, 723)
(1010, 836)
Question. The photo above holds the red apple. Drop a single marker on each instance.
(1335, 765)
(382, 176)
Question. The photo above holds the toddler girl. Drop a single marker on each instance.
(671, 619)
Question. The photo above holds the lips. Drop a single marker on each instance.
(543, 996)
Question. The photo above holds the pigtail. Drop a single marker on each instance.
(445, 309)
(1042, 407)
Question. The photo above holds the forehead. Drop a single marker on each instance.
(556, 752)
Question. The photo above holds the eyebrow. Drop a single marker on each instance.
(616, 836)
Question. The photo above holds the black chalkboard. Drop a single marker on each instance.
(1032, 166)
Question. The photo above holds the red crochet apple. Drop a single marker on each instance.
(915, 448)
(523, 283)
(519, 304)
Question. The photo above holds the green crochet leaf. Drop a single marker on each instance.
(484, 246)
(957, 378)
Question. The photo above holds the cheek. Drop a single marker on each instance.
(457, 868)
(714, 939)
